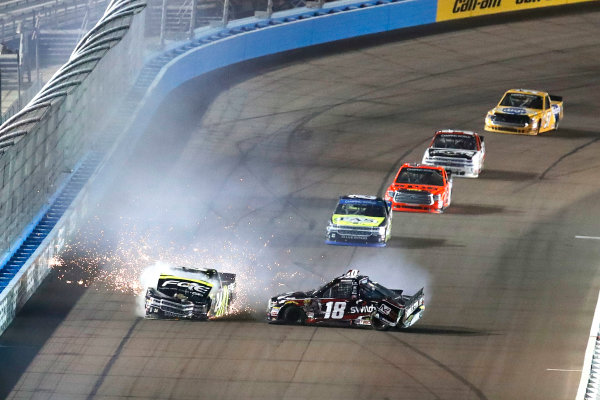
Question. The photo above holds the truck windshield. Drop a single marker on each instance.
(420, 176)
(369, 210)
(523, 100)
(463, 142)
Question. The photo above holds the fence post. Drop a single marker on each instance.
(225, 13)
(163, 21)
(193, 18)
(36, 38)
(19, 59)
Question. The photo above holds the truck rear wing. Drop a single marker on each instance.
(413, 308)
(410, 301)
(554, 97)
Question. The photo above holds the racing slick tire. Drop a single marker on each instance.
(377, 324)
(556, 121)
(293, 315)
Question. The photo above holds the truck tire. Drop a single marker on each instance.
(377, 324)
(293, 315)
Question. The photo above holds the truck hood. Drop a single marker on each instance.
(516, 111)
(356, 220)
(412, 186)
(453, 153)
(194, 290)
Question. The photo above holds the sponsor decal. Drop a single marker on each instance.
(417, 303)
(356, 220)
(363, 201)
(513, 110)
(451, 153)
(363, 309)
(461, 6)
(385, 310)
(353, 237)
(455, 9)
(456, 136)
(193, 286)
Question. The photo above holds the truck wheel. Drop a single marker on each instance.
(377, 324)
(293, 315)
(151, 314)
(556, 121)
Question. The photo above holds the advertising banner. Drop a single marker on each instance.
(455, 9)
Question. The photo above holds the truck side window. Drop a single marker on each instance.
(341, 290)
(546, 102)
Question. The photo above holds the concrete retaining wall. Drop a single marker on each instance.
(40, 162)
(33, 167)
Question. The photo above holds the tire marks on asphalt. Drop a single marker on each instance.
(113, 359)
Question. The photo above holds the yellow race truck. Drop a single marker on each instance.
(526, 112)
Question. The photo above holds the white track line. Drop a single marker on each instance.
(589, 352)
(588, 237)
(563, 370)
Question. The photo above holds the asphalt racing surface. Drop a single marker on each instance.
(241, 171)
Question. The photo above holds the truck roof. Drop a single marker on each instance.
(527, 91)
(455, 132)
(360, 199)
(422, 166)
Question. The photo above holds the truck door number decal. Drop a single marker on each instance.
(335, 310)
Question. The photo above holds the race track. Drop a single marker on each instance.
(241, 170)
